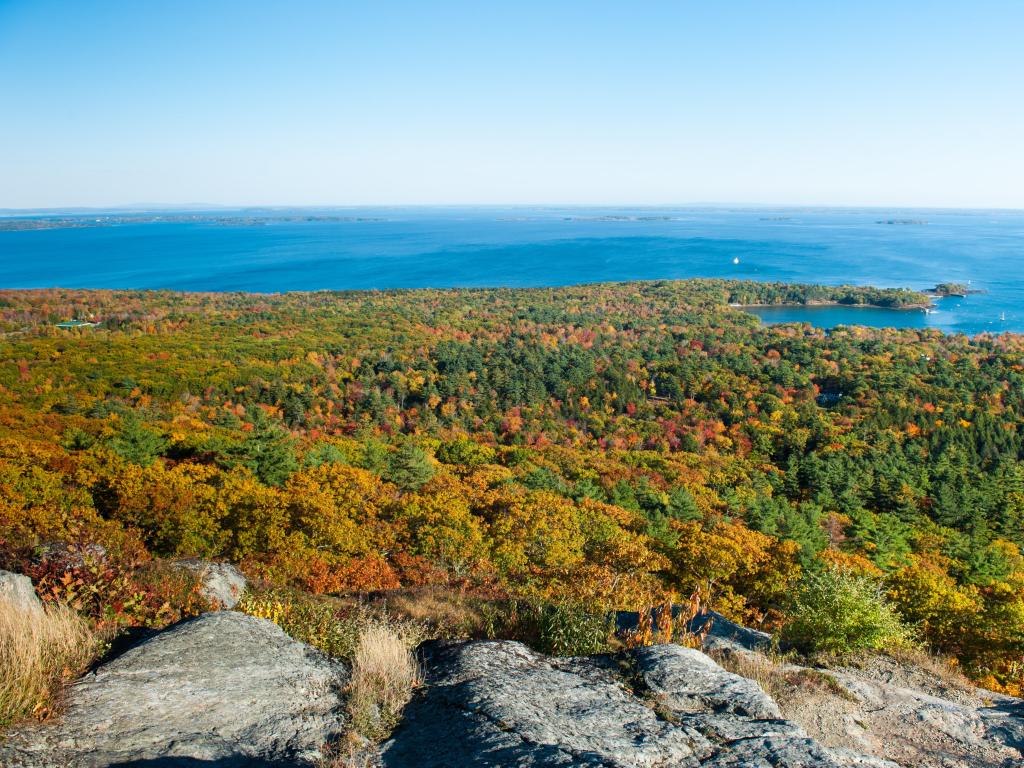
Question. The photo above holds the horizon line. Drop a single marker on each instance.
(150, 207)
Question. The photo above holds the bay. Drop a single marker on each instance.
(268, 250)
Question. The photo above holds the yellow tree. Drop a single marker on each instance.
(340, 511)
(538, 532)
(439, 524)
(176, 509)
(742, 573)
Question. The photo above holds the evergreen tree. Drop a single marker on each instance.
(323, 453)
(682, 506)
(268, 451)
(410, 467)
(136, 442)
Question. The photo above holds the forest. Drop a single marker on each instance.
(613, 445)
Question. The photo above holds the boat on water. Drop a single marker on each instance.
(735, 259)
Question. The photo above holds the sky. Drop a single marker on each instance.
(898, 103)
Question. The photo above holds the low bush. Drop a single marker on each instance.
(838, 612)
(333, 625)
(670, 623)
(321, 622)
(564, 628)
(40, 651)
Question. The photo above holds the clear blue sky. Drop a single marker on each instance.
(348, 103)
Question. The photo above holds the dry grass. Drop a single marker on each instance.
(942, 667)
(351, 752)
(40, 652)
(763, 669)
(384, 674)
(914, 668)
(787, 685)
(447, 613)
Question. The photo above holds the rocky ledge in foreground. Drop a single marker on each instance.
(501, 704)
(220, 691)
(227, 690)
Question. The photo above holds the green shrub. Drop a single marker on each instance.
(565, 628)
(324, 622)
(317, 622)
(837, 612)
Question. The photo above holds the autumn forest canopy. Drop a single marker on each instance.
(616, 444)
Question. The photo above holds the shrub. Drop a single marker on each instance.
(836, 612)
(329, 624)
(39, 652)
(113, 594)
(573, 629)
(320, 622)
(564, 628)
(685, 624)
(384, 673)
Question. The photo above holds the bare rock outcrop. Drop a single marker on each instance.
(880, 712)
(226, 690)
(18, 590)
(221, 583)
(223, 689)
(915, 718)
(501, 704)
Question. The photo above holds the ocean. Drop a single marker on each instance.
(270, 251)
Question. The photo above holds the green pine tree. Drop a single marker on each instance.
(410, 467)
(267, 451)
(136, 442)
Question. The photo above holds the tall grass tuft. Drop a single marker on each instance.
(384, 674)
(40, 652)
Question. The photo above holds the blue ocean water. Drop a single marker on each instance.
(443, 247)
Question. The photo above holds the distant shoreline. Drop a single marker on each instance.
(826, 304)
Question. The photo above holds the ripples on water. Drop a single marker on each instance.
(412, 248)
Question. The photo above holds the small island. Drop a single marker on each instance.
(613, 217)
(752, 294)
(947, 290)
